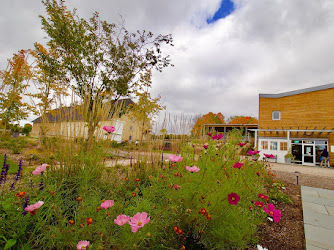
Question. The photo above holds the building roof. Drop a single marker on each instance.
(300, 91)
(70, 113)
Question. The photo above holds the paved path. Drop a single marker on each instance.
(318, 213)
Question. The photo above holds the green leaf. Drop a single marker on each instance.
(10, 243)
(7, 204)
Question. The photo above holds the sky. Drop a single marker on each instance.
(225, 54)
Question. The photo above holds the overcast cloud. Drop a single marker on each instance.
(261, 47)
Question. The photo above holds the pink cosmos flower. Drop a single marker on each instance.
(238, 165)
(192, 169)
(209, 134)
(205, 146)
(35, 206)
(259, 203)
(122, 219)
(107, 203)
(258, 173)
(252, 152)
(265, 197)
(138, 220)
(241, 144)
(233, 198)
(40, 169)
(109, 129)
(269, 156)
(175, 158)
(82, 244)
(275, 213)
(176, 187)
(217, 137)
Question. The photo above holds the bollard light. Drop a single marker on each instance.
(297, 175)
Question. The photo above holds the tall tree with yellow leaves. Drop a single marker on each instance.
(14, 81)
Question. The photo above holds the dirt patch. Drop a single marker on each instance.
(289, 232)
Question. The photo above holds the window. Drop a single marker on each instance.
(264, 144)
(273, 145)
(276, 115)
(283, 146)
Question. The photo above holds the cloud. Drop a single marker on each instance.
(261, 47)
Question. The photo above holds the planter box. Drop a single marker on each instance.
(288, 161)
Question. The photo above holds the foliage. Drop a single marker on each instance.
(185, 209)
(289, 155)
(145, 110)
(27, 128)
(242, 120)
(209, 118)
(101, 62)
(16, 144)
(14, 81)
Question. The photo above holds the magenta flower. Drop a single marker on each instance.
(205, 146)
(209, 134)
(176, 187)
(138, 220)
(192, 169)
(238, 165)
(40, 169)
(175, 158)
(265, 197)
(274, 213)
(241, 144)
(270, 156)
(252, 152)
(259, 204)
(233, 198)
(217, 137)
(82, 244)
(109, 129)
(258, 173)
(107, 203)
(122, 219)
(35, 206)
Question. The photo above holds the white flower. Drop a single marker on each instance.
(261, 248)
(270, 219)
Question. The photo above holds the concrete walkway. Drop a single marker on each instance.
(318, 213)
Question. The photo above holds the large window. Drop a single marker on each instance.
(276, 115)
(264, 144)
(273, 145)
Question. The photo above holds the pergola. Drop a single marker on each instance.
(228, 127)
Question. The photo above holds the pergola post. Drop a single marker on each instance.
(255, 139)
(288, 138)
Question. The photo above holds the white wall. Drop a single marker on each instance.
(278, 153)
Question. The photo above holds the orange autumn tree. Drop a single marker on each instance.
(243, 120)
(209, 118)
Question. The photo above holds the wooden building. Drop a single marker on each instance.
(300, 122)
(68, 123)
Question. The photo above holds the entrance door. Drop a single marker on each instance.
(308, 154)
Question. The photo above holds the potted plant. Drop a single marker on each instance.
(288, 158)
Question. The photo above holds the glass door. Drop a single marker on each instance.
(308, 154)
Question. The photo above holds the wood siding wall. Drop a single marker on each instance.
(312, 110)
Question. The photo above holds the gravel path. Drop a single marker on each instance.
(309, 175)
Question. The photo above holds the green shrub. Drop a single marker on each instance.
(190, 209)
